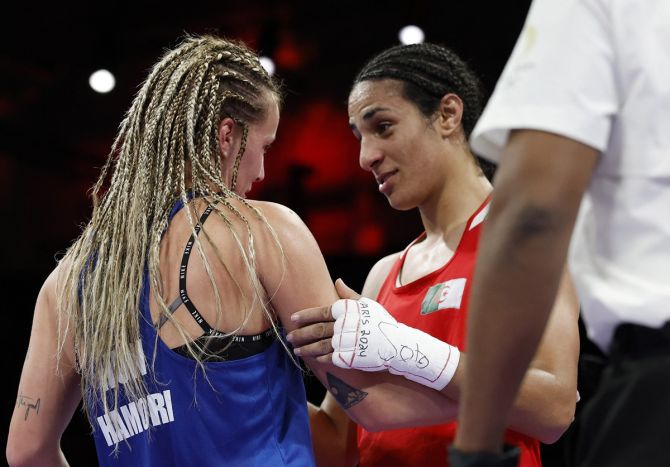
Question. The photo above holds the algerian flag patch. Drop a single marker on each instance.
(448, 294)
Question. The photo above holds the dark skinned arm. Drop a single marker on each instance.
(539, 186)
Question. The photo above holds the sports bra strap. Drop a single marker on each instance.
(183, 295)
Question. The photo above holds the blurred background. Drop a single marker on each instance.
(56, 130)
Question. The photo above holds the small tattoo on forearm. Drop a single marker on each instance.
(28, 403)
(347, 396)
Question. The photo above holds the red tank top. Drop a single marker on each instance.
(437, 304)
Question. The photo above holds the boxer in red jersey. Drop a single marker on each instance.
(412, 108)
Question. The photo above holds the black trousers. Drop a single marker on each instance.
(626, 423)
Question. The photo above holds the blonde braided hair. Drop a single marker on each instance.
(167, 145)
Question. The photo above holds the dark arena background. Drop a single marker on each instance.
(55, 131)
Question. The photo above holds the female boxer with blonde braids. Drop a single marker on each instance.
(165, 313)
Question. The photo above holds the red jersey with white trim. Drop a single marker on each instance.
(437, 304)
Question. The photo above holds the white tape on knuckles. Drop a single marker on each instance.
(366, 337)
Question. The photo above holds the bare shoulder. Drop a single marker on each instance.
(296, 277)
(378, 274)
(46, 306)
(384, 265)
(49, 287)
(273, 226)
(279, 216)
(280, 223)
(45, 317)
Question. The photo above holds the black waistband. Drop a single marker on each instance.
(229, 348)
(637, 341)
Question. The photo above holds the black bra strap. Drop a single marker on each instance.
(210, 331)
(176, 303)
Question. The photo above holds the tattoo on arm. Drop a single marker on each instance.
(28, 403)
(347, 396)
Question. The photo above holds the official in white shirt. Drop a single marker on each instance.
(579, 117)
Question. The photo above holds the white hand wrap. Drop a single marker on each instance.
(366, 337)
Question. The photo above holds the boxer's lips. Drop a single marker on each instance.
(384, 179)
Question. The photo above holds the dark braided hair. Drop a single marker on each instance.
(428, 72)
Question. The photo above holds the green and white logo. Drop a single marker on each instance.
(445, 295)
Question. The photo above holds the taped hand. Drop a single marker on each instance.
(366, 337)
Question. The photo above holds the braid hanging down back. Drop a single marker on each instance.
(167, 146)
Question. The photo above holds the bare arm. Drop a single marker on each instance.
(333, 434)
(306, 283)
(545, 405)
(539, 186)
(48, 395)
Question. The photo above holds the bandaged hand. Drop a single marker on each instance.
(366, 337)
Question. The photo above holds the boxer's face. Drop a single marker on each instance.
(398, 145)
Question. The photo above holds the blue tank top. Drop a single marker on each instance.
(246, 412)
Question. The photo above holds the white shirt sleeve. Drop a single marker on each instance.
(560, 78)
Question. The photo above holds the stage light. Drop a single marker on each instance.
(411, 35)
(268, 64)
(102, 81)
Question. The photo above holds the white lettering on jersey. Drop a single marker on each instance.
(135, 417)
(136, 372)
